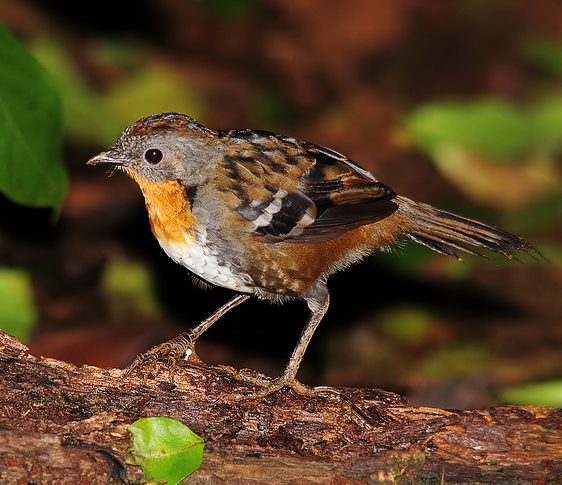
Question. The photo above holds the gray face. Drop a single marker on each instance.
(165, 146)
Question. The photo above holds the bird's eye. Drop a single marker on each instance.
(153, 156)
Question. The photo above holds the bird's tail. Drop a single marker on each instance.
(446, 232)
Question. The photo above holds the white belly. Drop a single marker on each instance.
(201, 261)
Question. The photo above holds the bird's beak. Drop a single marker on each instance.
(105, 157)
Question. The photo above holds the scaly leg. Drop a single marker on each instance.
(177, 347)
(288, 377)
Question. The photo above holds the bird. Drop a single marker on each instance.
(270, 216)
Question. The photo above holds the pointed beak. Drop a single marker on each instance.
(105, 157)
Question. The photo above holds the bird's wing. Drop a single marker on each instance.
(300, 192)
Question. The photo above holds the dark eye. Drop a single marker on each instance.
(153, 156)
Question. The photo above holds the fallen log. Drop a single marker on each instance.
(64, 424)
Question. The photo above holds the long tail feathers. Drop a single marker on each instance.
(446, 232)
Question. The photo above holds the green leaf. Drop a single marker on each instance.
(164, 448)
(536, 394)
(31, 168)
(18, 315)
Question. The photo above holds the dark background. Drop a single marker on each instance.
(341, 74)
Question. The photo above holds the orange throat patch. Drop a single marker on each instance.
(169, 210)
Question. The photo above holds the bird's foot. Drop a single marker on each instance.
(264, 386)
(174, 351)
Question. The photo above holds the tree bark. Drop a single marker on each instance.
(63, 424)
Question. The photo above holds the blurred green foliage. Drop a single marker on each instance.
(18, 315)
(128, 289)
(31, 168)
(545, 52)
(98, 116)
(458, 360)
(496, 152)
(406, 324)
(536, 394)
(232, 11)
(494, 127)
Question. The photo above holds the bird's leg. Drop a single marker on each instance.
(181, 347)
(288, 377)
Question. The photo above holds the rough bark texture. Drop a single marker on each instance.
(62, 424)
